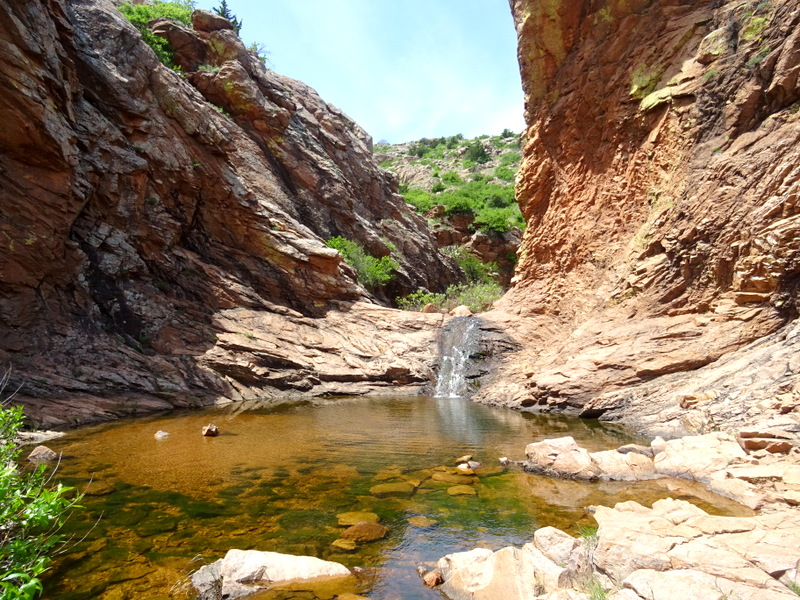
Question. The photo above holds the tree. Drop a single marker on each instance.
(224, 11)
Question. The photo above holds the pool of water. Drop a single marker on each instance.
(280, 472)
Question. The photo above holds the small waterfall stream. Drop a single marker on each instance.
(458, 342)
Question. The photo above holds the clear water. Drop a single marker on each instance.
(279, 473)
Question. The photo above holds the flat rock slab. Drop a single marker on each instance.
(456, 479)
(462, 490)
(387, 490)
(421, 522)
(352, 518)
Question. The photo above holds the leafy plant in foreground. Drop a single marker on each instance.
(372, 272)
(31, 513)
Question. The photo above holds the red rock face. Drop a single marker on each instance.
(136, 206)
(660, 184)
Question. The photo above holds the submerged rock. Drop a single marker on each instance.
(386, 490)
(421, 521)
(352, 518)
(462, 490)
(364, 532)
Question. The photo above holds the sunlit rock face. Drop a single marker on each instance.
(143, 213)
(660, 185)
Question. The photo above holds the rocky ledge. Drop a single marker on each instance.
(672, 550)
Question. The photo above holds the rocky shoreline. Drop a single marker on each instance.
(672, 550)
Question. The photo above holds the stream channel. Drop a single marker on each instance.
(280, 472)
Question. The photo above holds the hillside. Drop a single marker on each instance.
(465, 189)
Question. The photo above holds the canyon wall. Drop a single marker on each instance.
(164, 233)
(658, 276)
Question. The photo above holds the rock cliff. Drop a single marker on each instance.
(658, 275)
(163, 233)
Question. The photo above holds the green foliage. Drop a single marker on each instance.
(475, 270)
(419, 199)
(31, 511)
(477, 296)
(140, 15)
(509, 158)
(498, 220)
(504, 173)
(223, 11)
(476, 152)
(507, 133)
(452, 178)
(438, 187)
(372, 272)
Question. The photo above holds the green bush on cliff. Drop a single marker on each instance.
(31, 512)
(477, 296)
(372, 272)
(140, 15)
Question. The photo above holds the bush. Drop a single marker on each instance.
(477, 153)
(477, 296)
(504, 173)
(31, 513)
(498, 220)
(372, 272)
(140, 15)
(452, 178)
(419, 199)
(509, 158)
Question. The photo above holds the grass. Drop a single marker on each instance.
(479, 297)
(140, 15)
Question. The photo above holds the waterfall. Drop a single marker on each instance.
(458, 342)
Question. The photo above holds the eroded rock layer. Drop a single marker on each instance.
(660, 184)
(163, 235)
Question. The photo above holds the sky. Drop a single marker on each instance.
(402, 69)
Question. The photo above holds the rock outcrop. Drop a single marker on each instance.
(163, 234)
(660, 185)
(672, 550)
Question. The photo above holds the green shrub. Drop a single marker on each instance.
(372, 272)
(140, 15)
(507, 133)
(504, 173)
(476, 152)
(477, 296)
(498, 220)
(438, 187)
(509, 158)
(31, 513)
(452, 178)
(474, 269)
(419, 199)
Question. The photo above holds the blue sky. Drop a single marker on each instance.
(402, 69)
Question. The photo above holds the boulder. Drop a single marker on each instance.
(210, 430)
(160, 435)
(561, 457)
(203, 20)
(42, 454)
(461, 311)
(244, 572)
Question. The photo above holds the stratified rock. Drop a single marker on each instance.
(42, 454)
(352, 518)
(211, 430)
(364, 532)
(244, 572)
(660, 255)
(160, 226)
